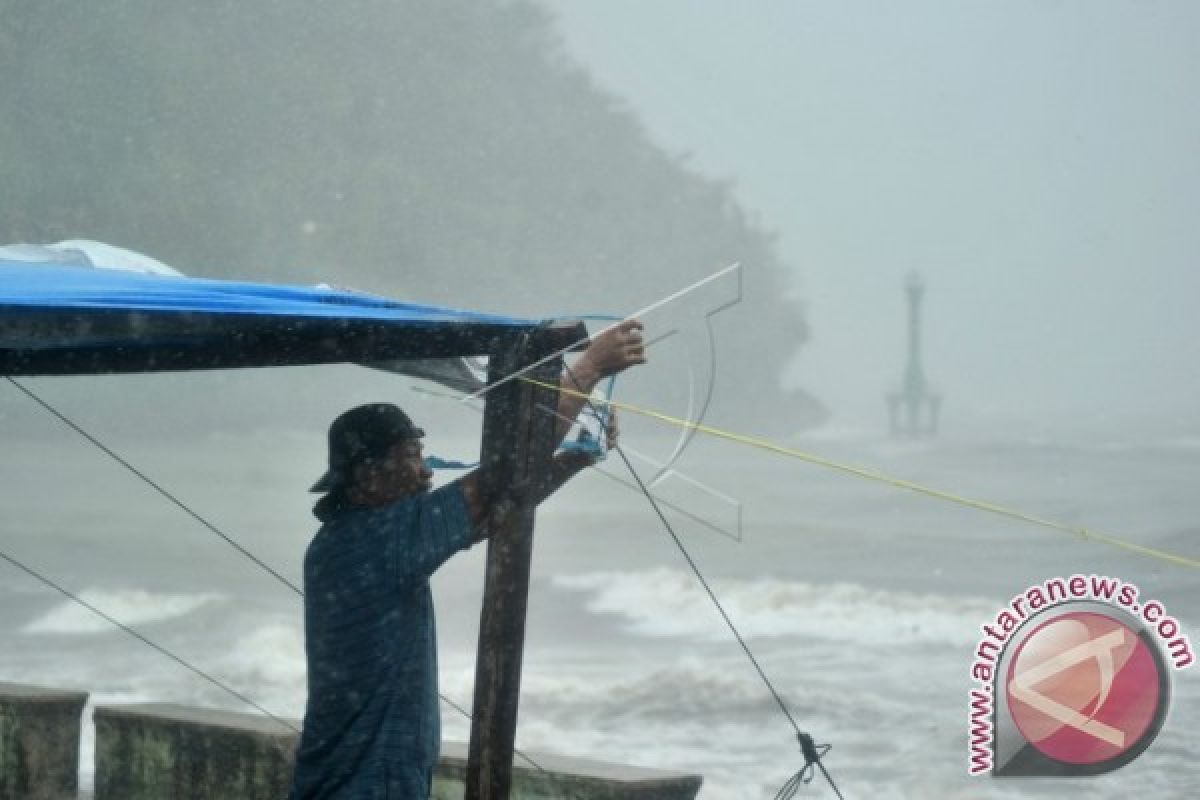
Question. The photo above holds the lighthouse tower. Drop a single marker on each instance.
(913, 410)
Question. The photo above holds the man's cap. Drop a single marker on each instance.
(361, 434)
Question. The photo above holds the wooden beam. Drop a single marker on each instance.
(518, 443)
(85, 343)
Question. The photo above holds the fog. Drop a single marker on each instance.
(1033, 161)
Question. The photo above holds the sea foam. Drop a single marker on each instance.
(129, 606)
(666, 602)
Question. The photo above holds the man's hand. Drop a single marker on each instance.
(616, 350)
(613, 351)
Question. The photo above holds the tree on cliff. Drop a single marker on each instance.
(443, 152)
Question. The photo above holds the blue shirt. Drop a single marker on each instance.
(372, 728)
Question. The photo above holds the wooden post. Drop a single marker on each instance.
(518, 443)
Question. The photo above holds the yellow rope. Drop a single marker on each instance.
(867, 474)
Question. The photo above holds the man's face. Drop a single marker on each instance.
(400, 473)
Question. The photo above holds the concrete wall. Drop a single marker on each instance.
(39, 742)
(157, 751)
(557, 777)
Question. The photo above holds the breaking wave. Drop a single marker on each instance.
(128, 606)
(670, 603)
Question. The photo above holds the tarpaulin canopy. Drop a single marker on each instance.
(58, 319)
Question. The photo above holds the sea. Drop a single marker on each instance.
(861, 600)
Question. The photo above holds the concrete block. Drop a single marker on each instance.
(563, 778)
(154, 751)
(39, 742)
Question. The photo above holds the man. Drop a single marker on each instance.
(372, 727)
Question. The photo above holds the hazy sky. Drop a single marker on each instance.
(1035, 161)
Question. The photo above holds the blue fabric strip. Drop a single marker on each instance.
(64, 287)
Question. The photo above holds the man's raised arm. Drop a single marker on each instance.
(610, 353)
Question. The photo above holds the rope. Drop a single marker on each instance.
(657, 304)
(209, 526)
(812, 754)
(172, 498)
(146, 641)
(435, 462)
(1085, 534)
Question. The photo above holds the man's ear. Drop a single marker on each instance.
(362, 475)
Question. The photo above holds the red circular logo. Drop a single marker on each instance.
(1084, 688)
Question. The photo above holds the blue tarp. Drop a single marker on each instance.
(63, 319)
(60, 286)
